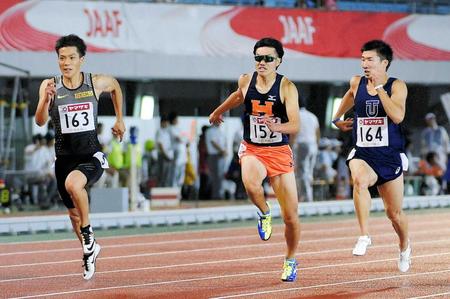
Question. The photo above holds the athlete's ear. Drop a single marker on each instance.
(82, 59)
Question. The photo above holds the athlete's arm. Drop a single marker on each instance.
(348, 101)
(47, 92)
(395, 105)
(234, 100)
(290, 95)
(103, 83)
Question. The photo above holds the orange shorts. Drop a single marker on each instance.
(276, 159)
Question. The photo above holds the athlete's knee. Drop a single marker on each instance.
(72, 187)
(291, 220)
(394, 215)
(253, 188)
(361, 183)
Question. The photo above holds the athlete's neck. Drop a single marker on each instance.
(74, 81)
(267, 80)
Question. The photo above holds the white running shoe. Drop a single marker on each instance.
(91, 249)
(89, 262)
(361, 245)
(404, 260)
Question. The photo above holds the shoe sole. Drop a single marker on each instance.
(267, 238)
(96, 253)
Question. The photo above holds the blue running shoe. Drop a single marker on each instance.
(289, 270)
(265, 225)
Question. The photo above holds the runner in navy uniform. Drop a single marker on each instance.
(378, 158)
(71, 101)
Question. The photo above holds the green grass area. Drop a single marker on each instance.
(43, 236)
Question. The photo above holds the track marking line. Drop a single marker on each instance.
(200, 240)
(431, 296)
(351, 221)
(240, 260)
(334, 284)
(245, 246)
(230, 276)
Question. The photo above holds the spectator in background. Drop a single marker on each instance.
(165, 153)
(179, 150)
(434, 138)
(29, 151)
(101, 137)
(216, 149)
(188, 189)
(325, 159)
(204, 191)
(233, 172)
(305, 152)
(432, 172)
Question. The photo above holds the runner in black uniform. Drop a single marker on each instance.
(71, 101)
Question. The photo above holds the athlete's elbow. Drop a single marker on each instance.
(397, 120)
(39, 121)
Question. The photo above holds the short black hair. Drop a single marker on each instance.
(71, 40)
(383, 50)
(172, 116)
(272, 43)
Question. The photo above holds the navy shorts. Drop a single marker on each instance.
(388, 165)
(88, 165)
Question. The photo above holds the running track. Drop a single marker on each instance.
(234, 263)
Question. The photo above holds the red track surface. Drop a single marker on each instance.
(231, 263)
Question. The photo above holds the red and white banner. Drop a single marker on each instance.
(172, 29)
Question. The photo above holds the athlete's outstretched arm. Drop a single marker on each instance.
(47, 92)
(348, 101)
(103, 83)
(290, 94)
(234, 100)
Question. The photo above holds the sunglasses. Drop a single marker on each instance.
(266, 58)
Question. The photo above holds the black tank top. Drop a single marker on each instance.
(74, 116)
(256, 106)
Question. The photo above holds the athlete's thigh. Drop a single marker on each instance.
(76, 179)
(285, 189)
(360, 169)
(392, 193)
(252, 169)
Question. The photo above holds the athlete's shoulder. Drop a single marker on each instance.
(398, 82)
(103, 82)
(245, 79)
(287, 84)
(354, 81)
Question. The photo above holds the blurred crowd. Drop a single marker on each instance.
(204, 168)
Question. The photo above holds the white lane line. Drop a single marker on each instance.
(245, 246)
(351, 222)
(249, 235)
(240, 260)
(333, 284)
(212, 239)
(234, 276)
(431, 296)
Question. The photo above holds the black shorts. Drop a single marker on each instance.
(88, 165)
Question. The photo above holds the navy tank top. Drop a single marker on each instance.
(258, 105)
(374, 133)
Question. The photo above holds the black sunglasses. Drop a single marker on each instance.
(266, 58)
